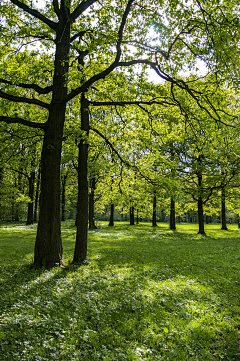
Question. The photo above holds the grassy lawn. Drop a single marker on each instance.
(148, 294)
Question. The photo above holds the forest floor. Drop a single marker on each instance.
(146, 294)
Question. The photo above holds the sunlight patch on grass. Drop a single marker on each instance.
(148, 294)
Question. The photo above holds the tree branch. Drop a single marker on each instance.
(104, 73)
(35, 87)
(80, 34)
(56, 7)
(17, 99)
(36, 14)
(16, 120)
(123, 161)
(19, 172)
(123, 103)
(81, 8)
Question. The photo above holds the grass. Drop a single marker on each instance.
(148, 294)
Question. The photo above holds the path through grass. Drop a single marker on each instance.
(148, 294)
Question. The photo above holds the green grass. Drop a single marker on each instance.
(148, 294)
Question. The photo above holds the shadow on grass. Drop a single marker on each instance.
(149, 294)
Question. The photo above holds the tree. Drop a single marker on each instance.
(49, 83)
(48, 246)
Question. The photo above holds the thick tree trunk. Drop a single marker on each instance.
(200, 216)
(91, 203)
(48, 246)
(36, 196)
(31, 181)
(224, 223)
(172, 215)
(131, 214)
(154, 214)
(80, 253)
(111, 219)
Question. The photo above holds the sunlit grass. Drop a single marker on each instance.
(148, 294)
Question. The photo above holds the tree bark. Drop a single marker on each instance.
(31, 181)
(172, 215)
(200, 216)
(1, 179)
(36, 196)
(111, 219)
(64, 179)
(131, 216)
(91, 203)
(200, 200)
(223, 202)
(80, 253)
(154, 214)
(48, 247)
(16, 208)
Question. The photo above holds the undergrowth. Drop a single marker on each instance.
(147, 294)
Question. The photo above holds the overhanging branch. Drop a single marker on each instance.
(123, 161)
(81, 8)
(17, 99)
(104, 73)
(17, 120)
(123, 103)
(36, 14)
(35, 87)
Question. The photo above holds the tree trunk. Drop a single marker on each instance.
(16, 208)
(172, 215)
(131, 216)
(48, 246)
(224, 223)
(154, 214)
(137, 217)
(36, 197)
(1, 179)
(31, 181)
(91, 204)
(111, 219)
(200, 216)
(80, 252)
(200, 201)
(64, 179)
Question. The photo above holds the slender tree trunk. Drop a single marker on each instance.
(172, 215)
(16, 208)
(48, 246)
(91, 204)
(111, 219)
(1, 179)
(154, 214)
(80, 253)
(131, 216)
(36, 196)
(224, 223)
(200, 216)
(172, 224)
(200, 201)
(12, 210)
(137, 217)
(64, 180)
(31, 181)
